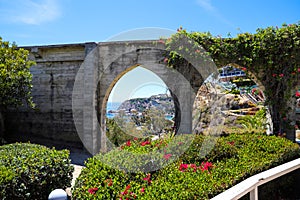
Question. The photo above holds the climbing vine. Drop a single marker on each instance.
(271, 54)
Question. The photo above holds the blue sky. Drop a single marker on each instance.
(145, 84)
(34, 22)
(42, 22)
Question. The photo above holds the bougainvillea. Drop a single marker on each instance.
(272, 55)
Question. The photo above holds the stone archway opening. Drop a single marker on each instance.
(138, 104)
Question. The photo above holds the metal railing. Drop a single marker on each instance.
(251, 184)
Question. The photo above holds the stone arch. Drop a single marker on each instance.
(108, 62)
(151, 59)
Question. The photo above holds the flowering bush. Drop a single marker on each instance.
(233, 159)
(271, 55)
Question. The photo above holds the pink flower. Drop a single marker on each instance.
(166, 60)
(93, 190)
(297, 93)
(180, 143)
(274, 75)
(142, 190)
(167, 156)
(161, 41)
(299, 70)
(281, 75)
(197, 51)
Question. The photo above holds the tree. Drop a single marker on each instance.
(15, 78)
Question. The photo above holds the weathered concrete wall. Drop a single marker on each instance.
(53, 80)
(71, 85)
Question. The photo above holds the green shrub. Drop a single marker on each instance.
(30, 171)
(190, 175)
(115, 134)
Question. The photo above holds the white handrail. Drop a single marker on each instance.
(251, 184)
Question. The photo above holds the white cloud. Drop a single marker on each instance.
(206, 4)
(33, 11)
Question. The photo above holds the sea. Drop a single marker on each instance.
(112, 106)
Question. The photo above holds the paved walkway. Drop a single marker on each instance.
(78, 157)
(76, 173)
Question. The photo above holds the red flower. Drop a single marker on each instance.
(297, 93)
(135, 139)
(109, 182)
(145, 143)
(299, 70)
(125, 192)
(231, 143)
(206, 166)
(274, 75)
(183, 167)
(193, 166)
(148, 178)
(179, 29)
(93, 190)
(128, 143)
(244, 68)
(167, 156)
(281, 75)
(142, 190)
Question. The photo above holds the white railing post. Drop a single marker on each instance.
(250, 185)
(254, 194)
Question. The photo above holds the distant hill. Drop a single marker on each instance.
(160, 101)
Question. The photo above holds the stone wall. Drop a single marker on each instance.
(53, 79)
(71, 85)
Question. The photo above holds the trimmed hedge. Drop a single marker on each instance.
(31, 171)
(189, 176)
